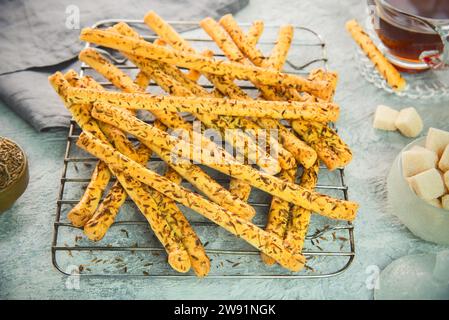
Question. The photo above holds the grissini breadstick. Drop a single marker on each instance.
(220, 123)
(224, 84)
(300, 217)
(120, 118)
(93, 58)
(166, 32)
(178, 257)
(236, 39)
(103, 218)
(254, 32)
(142, 80)
(303, 153)
(232, 52)
(278, 55)
(333, 151)
(220, 37)
(198, 257)
(269, 244)
(88, 203)
(279, 214)
(385, 68)
(330, 77)
(310, 111)
(236, 33)
(145, 49)
(333, 208)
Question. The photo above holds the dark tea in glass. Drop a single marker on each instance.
(410, 29)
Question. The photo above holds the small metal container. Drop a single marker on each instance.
(14, 174)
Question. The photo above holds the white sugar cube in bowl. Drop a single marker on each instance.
(423, 219)
(443, 164)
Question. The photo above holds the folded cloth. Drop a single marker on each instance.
(39, 37)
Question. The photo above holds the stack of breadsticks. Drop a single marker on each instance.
(108, 117)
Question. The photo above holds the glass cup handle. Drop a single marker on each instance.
(433, 58)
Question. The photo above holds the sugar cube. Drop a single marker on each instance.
(385, 118)
(437, 140)
(409, 122)
(417, 160)
(434, 202)
(444, 160)
(428, 184)
(446, 179)
(445, 202)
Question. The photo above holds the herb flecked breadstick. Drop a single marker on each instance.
(385, 68)
(333, 151)
(198, 258)
(279, 214)
(175, 217)
(198, 62)
(310, 111)
(88, 203)
(279, 53)
(333, 208)
(267, 243)
(178, 257)
(232, 52)
(254, 32)
(300, 217)
(236, 33)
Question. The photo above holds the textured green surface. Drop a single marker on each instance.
(26, 229)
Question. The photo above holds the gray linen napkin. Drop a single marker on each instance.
(40, 37)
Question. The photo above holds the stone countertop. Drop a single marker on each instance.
(26, 229)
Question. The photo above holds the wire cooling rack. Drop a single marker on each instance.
(130, 248)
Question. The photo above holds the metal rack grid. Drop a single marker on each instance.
(130, 249)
